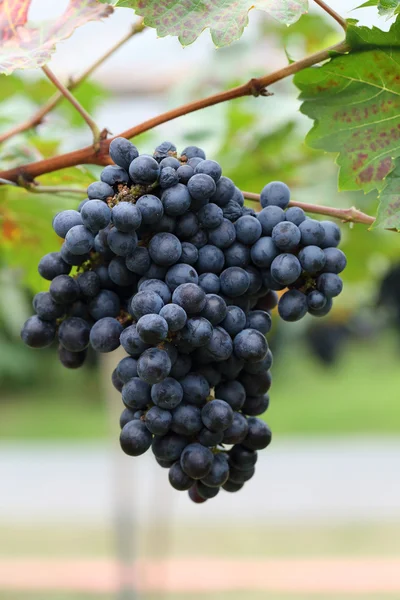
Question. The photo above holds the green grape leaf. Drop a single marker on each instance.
(354, 100)
(226, 19)
(388, 215)
(28, 46)
(386, 8)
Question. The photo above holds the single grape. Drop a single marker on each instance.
(210, 283)
(176, 200)
(89, 284)
(286, 236)
(248, 230)
(316, 300)
(65, 220)
(210, 438)
(99, 190)
(269, 217)
(193, 152)
(144, 170)
(260, 320)
(126, 217)
(237, 255)
(159, 287)
(79, 240)
(135, 438)
(190, 254)
(196, 389)
(187, 226)
(234, 282)
(335, 260)
(112, 175)
(151, 209)
(95, 215)
(286, 269)
(154, 365)
(232, 211)
(219, 348)
(224, 192)
(275, 193)
(185, 172)
(127, 369)
(210, 216)
(146, 303)
(122, 244)
(131, 342)
(196, 461)
(330, 284)
(238, 431)
(211, 260)
(223, 236)
(217, 415)
(190, 297)
(123, 152)
(255, 405)
(73, 334)
(259, 434)
(158, 420)
(332, 236)
(186, 419)
(71, 360)
(292, 305)
(105, 304)
(214, 310)
(136, 393)
(263, 252)
(179, 274)
(178, 479)
(231, 392)
(242, 458)
(235, 320)
(127, 415)
(52, 265)
(312, 233)
(104, 335)
(152, 329)
(295, 215)
(175, 316)
(46, 308)
(164, 150)
(64, 289)
(38, 333)
(169, 446)
(250, 345)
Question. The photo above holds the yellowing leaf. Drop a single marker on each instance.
(25, 46)
(226, 19)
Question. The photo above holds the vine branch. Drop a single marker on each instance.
(88, 155)
(342, 22)
(77, 105)
(347, 215)
(38, 117)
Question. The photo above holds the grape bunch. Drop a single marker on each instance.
(164, 259)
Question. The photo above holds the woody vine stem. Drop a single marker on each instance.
(98, 153)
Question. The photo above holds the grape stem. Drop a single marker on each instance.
(101, 157)
(347, 215)
(38, 117)
(53, 189)
(342, 22)
(97, 134)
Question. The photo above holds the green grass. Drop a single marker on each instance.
(358, 395)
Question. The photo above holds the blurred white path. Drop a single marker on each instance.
(297, 479)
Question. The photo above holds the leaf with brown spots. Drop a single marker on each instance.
(26, 46)
(388, 215)
(354, 101)
(226, 19)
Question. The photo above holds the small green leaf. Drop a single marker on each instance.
(226, 19)
(388, 216)
(386, 8)
(354, 101)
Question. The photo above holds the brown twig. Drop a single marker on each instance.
(342, 22)
(347, 215)
(38, 117)
(88, 155)
(77, 105)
